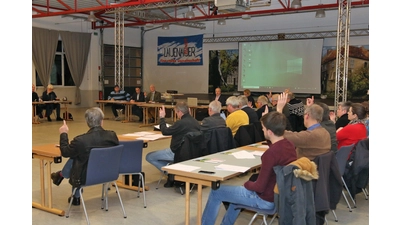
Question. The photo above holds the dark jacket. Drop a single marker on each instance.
(247, 134)
(141, 97)
(79, 150)
(218, 140)
(221, 99)
(35, 97)
(329, 125)
(49, 97)
(328, 187)
(342, 121)
(192, 146)
(296, 199)
(253, 117)
(186, 124)
(213, 121)
(356, 174)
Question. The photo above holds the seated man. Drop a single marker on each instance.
(311, 142)
(118, 95)
(78, 149)
(185, 124)
(35, 98)
(49, 95)
(258, 193)
(236, 117)
(214, 119)
(251, 113)
(138, 97)
(152, 97)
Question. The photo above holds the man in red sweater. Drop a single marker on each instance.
(258, 193)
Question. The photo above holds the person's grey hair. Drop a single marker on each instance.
(215, 106)
(94, 116)
(263, 99)
(345, 105)
(325, 107)
(183, 107)
(315, 111)
(233, 101)
(242, 100)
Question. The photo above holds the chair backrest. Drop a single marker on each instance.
(247, 134)
(342, 155)
(103, 165)
(218, 139)
(192, 146)
(258, 127)
(131, 159)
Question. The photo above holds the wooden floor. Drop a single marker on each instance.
(164, 205)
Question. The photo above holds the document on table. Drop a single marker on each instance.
(158, 126)
(178, 166)
(138, 134)
(243, 155)
(208, 160)
(151, 137)
(227, 167)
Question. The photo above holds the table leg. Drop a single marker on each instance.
(42, 205)
(127, 113)
(187, 203)
(199, 203)
(34, 119)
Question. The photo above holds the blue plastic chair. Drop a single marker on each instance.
(103, 168)
(131, 163)
(263, 212)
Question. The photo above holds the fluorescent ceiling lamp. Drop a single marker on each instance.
(320, 13)
(165, 26)
(295, 4)
(246, 16)
(221, 21)
(91, 17)
(149, 25)
(189, 13)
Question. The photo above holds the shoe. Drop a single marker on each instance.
(57, 178)
(151, 120)
(117, 118)
(59, 119)
(75, 201)
(40, 116)
(49, 119)
(170, 181)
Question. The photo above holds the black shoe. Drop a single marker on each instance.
(49, 119)
(57, 178)
(75, 201)
(151, 120)
(59, 119)
(40, 116)
(170, 181)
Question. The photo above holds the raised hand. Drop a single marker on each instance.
(282, 100)
(162, 111)
(64, 128)
(266, 110)
(310, 101)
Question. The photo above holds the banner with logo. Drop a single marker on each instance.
(180, 51)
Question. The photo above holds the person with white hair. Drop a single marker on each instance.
(50, 95)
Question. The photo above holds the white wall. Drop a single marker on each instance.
(192, 79)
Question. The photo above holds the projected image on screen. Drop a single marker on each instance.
(277, 65)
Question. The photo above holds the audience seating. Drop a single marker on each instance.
(247, 134)
(131, 163)
(217, 140)
(102, 168)
(263, 212)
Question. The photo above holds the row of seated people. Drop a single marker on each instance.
(48, 95)
(312, 143)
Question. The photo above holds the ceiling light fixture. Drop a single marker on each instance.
(165, 26)
(190, 13)
(149, 25)
(296, 4)
(246, 16)
(221, 21)
(91, 17)
(320, 13)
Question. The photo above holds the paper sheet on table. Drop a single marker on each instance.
(258, 153)
(138, 134)
(178, 166)
(243, 155)
(151, 137)
(158, 126)
(227, 167)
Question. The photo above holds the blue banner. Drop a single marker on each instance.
(180, 51)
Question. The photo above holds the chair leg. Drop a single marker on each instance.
(348, 191)
(347, 202)
(70, 203)
(120, 200)
(144, 191)
(334, 215)
(163, 173)
(84, 207)
(365, 193)
(273, 218)
(253, 218)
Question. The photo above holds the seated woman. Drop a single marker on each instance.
(356, 129)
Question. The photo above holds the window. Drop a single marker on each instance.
(60, 73)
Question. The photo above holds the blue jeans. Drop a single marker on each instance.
(232, 194)
(160, 158)
(66, 173)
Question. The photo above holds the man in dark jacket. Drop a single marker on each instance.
(185, 124)
(79, 149)
(214, 120)
(251, 113)
(138, 97)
